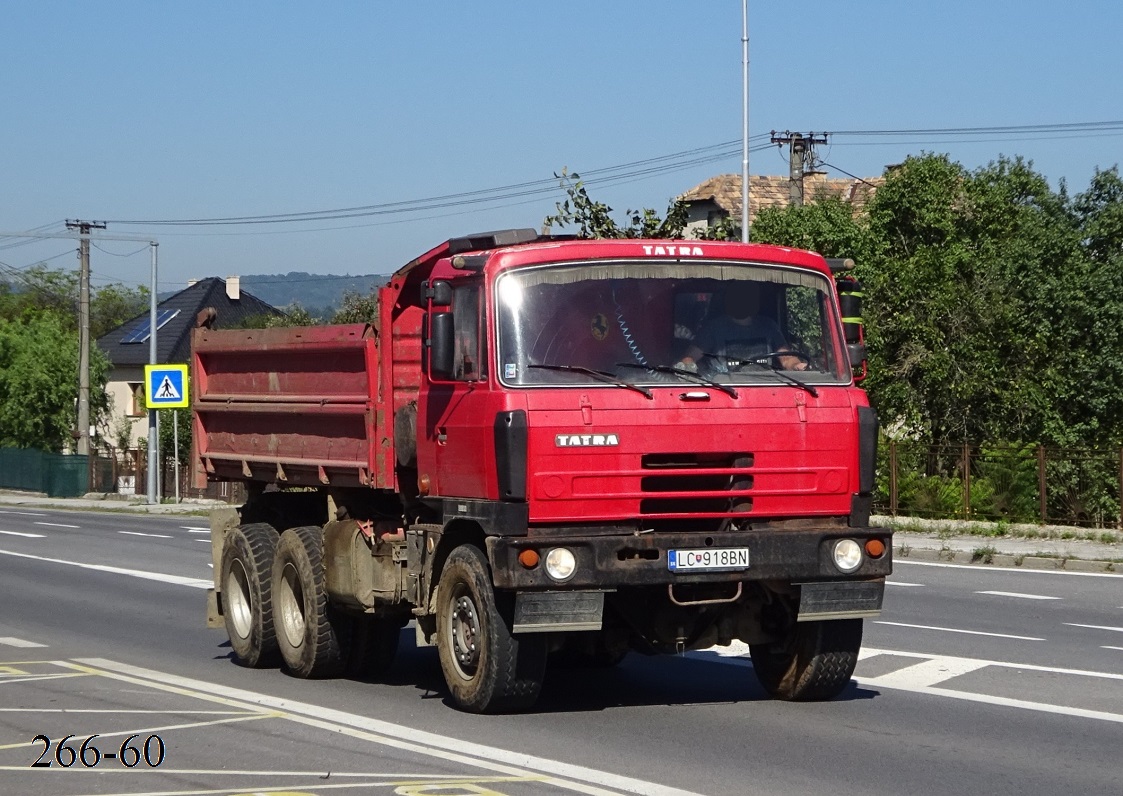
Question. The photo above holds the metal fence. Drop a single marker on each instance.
(55, 474)
(108, 472)
(1016, 483)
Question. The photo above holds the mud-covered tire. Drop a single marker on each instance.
(815, 661)
(370, 646)
(487, 668)
(308, 638)
(245, 576)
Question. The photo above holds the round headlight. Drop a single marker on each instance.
(560, 563)
(847, 555)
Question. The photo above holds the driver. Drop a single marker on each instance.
(741, 332)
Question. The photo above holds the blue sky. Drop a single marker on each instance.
(132, 111)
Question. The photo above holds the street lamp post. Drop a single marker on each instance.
(744, 121)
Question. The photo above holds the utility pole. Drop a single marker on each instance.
(801, 159)
(84, 227)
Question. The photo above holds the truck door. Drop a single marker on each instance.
(454, 413)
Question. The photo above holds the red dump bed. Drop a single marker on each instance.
(300, 406)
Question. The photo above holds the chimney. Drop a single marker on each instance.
(233, 288)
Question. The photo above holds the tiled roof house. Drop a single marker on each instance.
(127, 346)
(720, 196)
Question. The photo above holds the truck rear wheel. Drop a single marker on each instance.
(488, 669)
(814, 661)
(309, 641)
(245, 574)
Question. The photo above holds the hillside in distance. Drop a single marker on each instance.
(320, 294)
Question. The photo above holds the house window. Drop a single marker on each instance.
(136, 402)
(715, 217)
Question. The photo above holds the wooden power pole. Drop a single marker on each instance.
(801, 159)
(83, 430)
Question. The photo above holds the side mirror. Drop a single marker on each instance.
(858, 355)
(440, 292)
(442, 346)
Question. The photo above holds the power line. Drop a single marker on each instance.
(610, 175)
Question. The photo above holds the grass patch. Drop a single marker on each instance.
(984, 555)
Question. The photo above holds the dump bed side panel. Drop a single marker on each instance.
(297, 406)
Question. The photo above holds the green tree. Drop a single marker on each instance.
(357, 308)
(39, 382)
(290, 316)
(112, 305)
(594, 219)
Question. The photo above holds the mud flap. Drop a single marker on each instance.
(840, 599)
(549, 611)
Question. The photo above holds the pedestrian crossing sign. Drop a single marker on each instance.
(165, 386)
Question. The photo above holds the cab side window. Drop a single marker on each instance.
(470, 360)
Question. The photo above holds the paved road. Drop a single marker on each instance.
(975, 680)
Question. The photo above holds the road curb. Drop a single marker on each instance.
(953, 556)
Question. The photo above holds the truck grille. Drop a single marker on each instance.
(696, 483)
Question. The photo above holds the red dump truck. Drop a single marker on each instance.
(548, 449)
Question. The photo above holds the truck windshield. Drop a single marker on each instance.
(732, 323)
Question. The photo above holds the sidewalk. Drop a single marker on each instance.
(95, 501)
(1029, 546)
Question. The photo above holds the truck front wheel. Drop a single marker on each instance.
(814, 660)
(247, 562)
(308, 639)
(488, 669)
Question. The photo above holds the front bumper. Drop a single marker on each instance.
(613, 561)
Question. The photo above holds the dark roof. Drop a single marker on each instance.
(173, 340)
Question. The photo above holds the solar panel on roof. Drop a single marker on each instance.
(140, 332)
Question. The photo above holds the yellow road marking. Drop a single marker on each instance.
(34, 678)
(148, 731)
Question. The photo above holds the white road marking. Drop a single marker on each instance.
(128, 711)
(57, 524)
(1023, 570)
(1096, 627)
(559, 774)
(901, 583)
(24, 513)
(929, 673)
(175, 580)
(28, 535)
(958, 630)
(204, 541)
(195, 529)
(1005, 664)
(940, 666)
(1112, 648)
(1016, 594)
(738, 651)
(19, 642)
(138, 533)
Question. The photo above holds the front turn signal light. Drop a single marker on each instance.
(875, 548)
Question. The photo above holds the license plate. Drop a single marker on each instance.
(708, 559)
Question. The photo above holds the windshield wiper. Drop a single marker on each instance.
(725, 388)
(783, 374)
(599, 375)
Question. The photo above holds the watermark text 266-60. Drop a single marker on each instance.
(130, 754)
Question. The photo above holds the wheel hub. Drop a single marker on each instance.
(238, 601)
(464, 629)
(291, 600)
